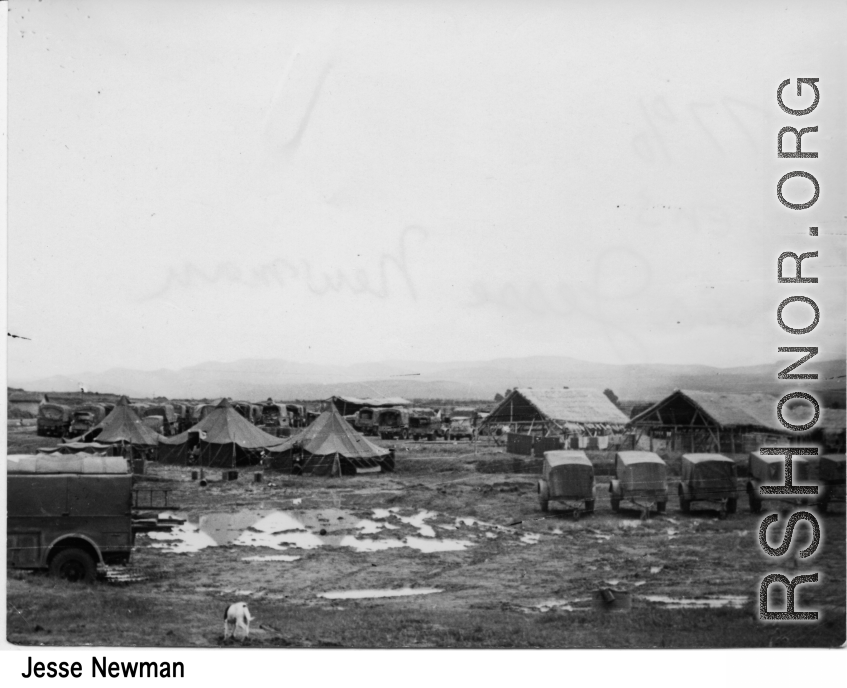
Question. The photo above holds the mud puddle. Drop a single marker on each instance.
(306, 529)
(712, 602)
(370, 594)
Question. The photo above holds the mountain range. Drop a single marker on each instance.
(256, 379)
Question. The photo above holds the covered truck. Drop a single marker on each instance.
(393, 423)
(424, 423)
(641, 477)
(831, 475)
(708, 478)
(86, 417)
(67, 514)
(54, 420)
(567, 481)
(768, 470)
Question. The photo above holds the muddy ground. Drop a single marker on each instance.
(508, 575)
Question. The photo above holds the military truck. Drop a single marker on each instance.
(366, 421)
(67, 514)
(393, 423)
(168, 414)
(424, 423)
(54, 420)
(86, 417)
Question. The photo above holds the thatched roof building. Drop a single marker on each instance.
(690, 420)
(557, 411)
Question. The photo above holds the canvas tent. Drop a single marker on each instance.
(557, 411)
(226, 439)
(122, 425)
(330, 446)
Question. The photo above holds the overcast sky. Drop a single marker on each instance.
(346, 182)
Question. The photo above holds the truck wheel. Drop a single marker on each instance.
(755, 503)
(544, 495)
(684, 504)
(660, 507)
(731, 505)
(74, 565)
(589, 506)
(616, 504)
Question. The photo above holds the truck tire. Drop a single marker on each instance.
(74, 565)
(684, 504)
(544, 495)
(589, 506)
(616, 504)
(731, 505)
(660, 507)
(755, 503)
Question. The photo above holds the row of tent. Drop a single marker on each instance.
(224, 438)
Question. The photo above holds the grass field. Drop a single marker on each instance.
(525, 578)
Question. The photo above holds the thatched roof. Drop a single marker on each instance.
(739, 411)
(563, 407)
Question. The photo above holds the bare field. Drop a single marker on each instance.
(508, 575)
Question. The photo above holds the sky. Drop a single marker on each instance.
(341, 182)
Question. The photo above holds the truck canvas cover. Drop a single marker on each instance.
(570, 474)
(76, 464)
(638, 470)
(708, 472)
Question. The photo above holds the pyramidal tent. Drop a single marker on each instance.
(329, 446)
(122, 425)
(226, 439)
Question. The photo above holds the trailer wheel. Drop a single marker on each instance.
(74, 565)
(755, 503)
(731, 505)
(589, 506)
(684, 504)
(616, 504)
(660, 507)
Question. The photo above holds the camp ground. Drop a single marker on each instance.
(514, 538)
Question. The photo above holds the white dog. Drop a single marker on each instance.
(239, 616)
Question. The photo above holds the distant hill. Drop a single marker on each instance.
(258, 379)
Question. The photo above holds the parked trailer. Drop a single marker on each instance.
(567, 481)
(68, 514)
(708, 478)
(831, 475)
(54, 420)
(641, 477)
(768, 470)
